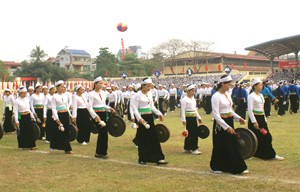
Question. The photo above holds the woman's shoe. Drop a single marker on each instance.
(162, 162)
(142, 163)
(101, 156)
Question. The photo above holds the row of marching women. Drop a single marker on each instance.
(53, 108)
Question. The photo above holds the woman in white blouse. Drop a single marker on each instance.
(97, 100)
(49, 122)
(37, 101)
(149, 149)
(60, 138)
(225, 154)
(23, 117)
(8, 104)
(81, 113)
(189, 118)
(258, 123)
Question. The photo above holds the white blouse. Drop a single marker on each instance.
(131, 106)
(8, 102)
(256, 103)
(98, 99)
(162, 93)
(113, 97)
(188, 105)
(222, 104)
(21, 105)
(36, 100)
(59, 101)
(143, 101)
(173, 91)
(47, 104)
(80, 102)
(154, 94)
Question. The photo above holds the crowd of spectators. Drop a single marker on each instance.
(177, 80)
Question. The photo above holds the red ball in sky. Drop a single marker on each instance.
(122, 27)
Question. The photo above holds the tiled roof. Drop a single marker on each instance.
(11, 63)
(78, 52)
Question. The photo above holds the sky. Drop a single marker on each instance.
(231, 25)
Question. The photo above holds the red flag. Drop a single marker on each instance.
(129, 72)
(219, 67)
(106, 73)
(206, 68)
(17, 87)
(245, 65)
(195, 69)
(4, 77)
(183, 69)
(232, 66)
(122, 43)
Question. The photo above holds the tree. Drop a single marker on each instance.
(44, 70)
(37, 54)
(132, 65)
(198, 51)
(4, 74)
(106, 63)
(153, 64)
(169, 50)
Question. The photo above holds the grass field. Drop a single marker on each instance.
(41, 171)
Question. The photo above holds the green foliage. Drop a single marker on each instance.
(37, 54)
(155, 63)
(44, 70)
(4, 72)
(105, 61)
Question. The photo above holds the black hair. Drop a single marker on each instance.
(253, 87)
(36, 88)
(219, 85)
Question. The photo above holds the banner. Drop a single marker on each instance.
(289, 64)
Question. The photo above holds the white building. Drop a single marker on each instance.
(78, 60)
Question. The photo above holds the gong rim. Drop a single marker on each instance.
(73, 132)
(203, 131)
(163, 132)
(116, 126)
(36, 131)
(247, 142)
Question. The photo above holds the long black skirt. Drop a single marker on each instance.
(172, 103)
(281, 110)
(208, 108)
(264, 149)
(25, 135)
(50, 125)
(160, 100)
(191, 141)
(225, 154)
(61, 139)
(7, 125)
(102, 139)
(267, 107)
(39, 113)
(84, 125)
(128, 111)
(293, 101)
(149, 149)
(241, 108)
